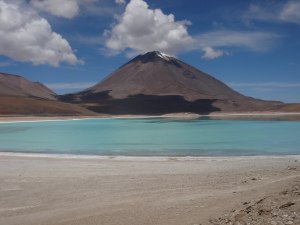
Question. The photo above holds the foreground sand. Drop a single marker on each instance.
(158, 191)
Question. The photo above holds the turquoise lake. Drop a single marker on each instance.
(152, 137)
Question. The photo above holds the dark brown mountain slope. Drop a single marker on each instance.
(22, 106)
(160, 75)
(155, 83)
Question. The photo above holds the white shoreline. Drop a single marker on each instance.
(256, 114)
(142, 158)
(30, 119)
(48, 120)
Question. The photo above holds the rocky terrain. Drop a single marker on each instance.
(275, 208)
(58, 190)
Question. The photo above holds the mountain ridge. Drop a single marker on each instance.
(149, 84)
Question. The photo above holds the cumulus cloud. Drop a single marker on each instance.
(61, 8)
(66, 8)
(25, 36)
(71, 8)
(120, 2)
(210, 53)
(141, 29)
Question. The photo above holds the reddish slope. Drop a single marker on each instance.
(13, 85)
(12, 105)
(19, 96)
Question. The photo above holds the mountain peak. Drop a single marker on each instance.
(156, 54)
(153, 57)
(163, 55)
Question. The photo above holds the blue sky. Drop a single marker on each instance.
(251, 45)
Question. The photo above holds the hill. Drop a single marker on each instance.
(14, 85)
(19, 96)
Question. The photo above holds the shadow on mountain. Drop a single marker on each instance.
(140, 104)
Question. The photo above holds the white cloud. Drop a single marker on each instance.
(210, 53)
(269, 85)
(291, 12)
(25, 36)
(76, 85)
(4, 64)
(99, 10)
(120, 2)
(141, 29)
(253, 41)
(71, 8)
(288, 12)
(279, 91)
(258, 12)
(89, 40)
(62, 8)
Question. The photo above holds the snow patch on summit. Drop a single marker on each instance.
(163, 55)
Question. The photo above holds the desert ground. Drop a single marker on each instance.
(70, 190)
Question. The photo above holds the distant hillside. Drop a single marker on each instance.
(12, 105)
(155, 83)
(19, 96)
(290, 107)
(13, 85)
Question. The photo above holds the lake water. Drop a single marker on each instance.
(153, 137)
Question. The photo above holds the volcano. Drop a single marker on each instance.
(156, 83)
(161, 75)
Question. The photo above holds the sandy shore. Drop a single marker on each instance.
(48, 190)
